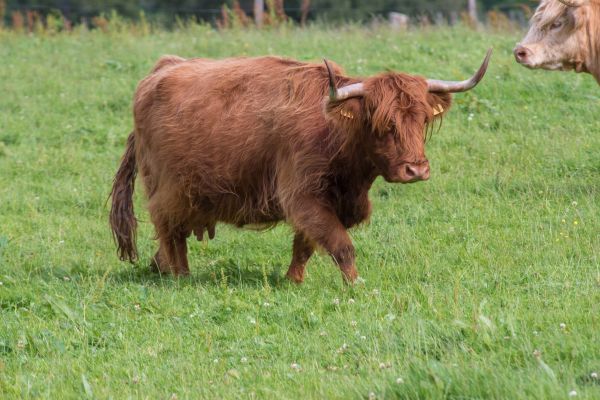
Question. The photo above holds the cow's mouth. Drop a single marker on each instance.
(570, 65)
(549, 66)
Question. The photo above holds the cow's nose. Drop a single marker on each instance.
(417, 172)
(521, 53)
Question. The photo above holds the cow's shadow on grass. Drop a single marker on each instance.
(223, 273)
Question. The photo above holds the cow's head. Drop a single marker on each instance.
(391, 113)
(559, 36)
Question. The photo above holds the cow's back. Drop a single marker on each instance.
(211, 127)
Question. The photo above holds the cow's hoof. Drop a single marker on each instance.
(296, 279)
(295, 274)
(350, 275)
(158, 267)
(154, 266)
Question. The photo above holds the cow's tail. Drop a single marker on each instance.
(122, 218)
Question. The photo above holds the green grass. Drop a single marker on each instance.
(468, 277)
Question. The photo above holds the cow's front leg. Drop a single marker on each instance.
(320, 224)
(302, 250)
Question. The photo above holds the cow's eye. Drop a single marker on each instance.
(556, 24)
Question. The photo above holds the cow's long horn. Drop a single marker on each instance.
(353, 90)
(460, 86)
(573, 3)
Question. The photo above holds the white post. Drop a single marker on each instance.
(473, 11)
(259, 6)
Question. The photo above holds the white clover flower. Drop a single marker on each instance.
(372, 396)
(343, 348)
(563, 326)
(363, 337)
(572, 393)
(252, 321)
(243, 360)
(137, 307)
(594, 375)
(351, 301)
(336, 302)
(353, 323)
(323, 333)
(399, 381)
(266, 304)
(295, 367)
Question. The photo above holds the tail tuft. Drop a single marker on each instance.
(122, 217)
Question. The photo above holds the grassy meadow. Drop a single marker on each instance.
(483, 282)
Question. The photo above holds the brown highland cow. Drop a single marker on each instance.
(254, 141)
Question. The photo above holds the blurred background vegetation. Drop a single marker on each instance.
(221, 13)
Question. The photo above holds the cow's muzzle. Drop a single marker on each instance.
(413, 172)
(522, 54)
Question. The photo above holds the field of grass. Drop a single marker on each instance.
(483, 282)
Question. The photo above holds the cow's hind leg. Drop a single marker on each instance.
(171, 257)
(302, 250)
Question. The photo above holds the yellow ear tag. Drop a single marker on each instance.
(347, 114)
(438, 110)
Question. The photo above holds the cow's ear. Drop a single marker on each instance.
(439, 103)
(347, 112)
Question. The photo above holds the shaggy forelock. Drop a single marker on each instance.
(394, 98)
(548, 12)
